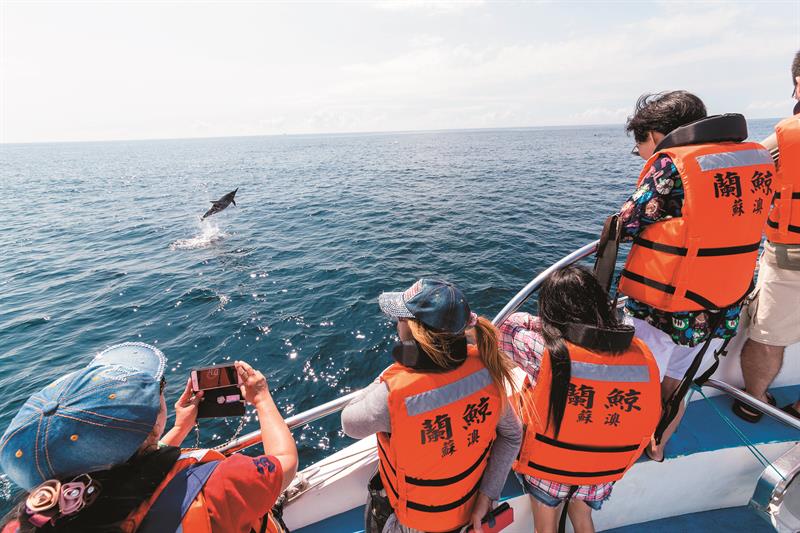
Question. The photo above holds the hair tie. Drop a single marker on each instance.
(473, 320)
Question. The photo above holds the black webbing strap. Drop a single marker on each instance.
(574, 473)
(562, 521)
(586, 447)
(775, 225)
(607, 251)
(699, 299)
(723, 350)
(701, 252)
(673, 404)
(443, 482)
(795, 195)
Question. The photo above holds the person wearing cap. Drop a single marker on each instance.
(446, 435)
(88, 450)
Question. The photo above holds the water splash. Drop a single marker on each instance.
(209, 233)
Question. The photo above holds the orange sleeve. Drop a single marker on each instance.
(241, 490)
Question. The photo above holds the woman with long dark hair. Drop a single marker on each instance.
(590, 402)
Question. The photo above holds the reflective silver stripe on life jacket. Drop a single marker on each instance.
(452, 392)
(742, 158)
(596, 372)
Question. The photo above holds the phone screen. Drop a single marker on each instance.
(216, 377)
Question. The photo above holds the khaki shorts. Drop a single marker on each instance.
(774, 307)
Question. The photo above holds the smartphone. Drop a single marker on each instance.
(215, 377)
(497, 519)
(221, 394)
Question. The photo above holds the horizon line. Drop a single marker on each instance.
(334, 133)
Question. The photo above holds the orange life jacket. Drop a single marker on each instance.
(613, 406)
(783, 224)
(196, 519)
(443, 426)
(705, 258)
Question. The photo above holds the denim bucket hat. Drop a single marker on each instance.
(89, 420)
(438, 304)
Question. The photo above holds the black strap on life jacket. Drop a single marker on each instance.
(597, 339)
(699, 299)
(730, 127)
(795, 195)
(672, 405)
(701, 252)
(572, 473)
(607, 251)
(586, 447)
(562, 521)
(775, 225)
(440, 482)
(412, 355)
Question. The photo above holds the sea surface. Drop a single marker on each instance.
(102, 243)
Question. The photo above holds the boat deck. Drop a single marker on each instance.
(702, 430)
(731, 519)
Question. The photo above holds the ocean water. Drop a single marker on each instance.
(101, 243)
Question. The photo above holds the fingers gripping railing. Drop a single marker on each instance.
(334, 406)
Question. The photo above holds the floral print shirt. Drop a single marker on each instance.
(659, 197)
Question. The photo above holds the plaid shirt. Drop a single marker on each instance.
(520, 337)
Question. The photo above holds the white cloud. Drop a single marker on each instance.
(776, 107)
(601, 115)
(432, 7)
(261, 69)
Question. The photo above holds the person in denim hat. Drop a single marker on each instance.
(89, 449)
(446, 377)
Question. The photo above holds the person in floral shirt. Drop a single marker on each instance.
(673, 337)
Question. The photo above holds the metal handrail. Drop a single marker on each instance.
(517, 301)
(333, 406)
(755, 403)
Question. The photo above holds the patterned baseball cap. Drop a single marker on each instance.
(88, 420)
(438, 304)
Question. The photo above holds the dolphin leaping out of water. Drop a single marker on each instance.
(221, 204)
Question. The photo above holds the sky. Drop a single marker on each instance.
(109, 70)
